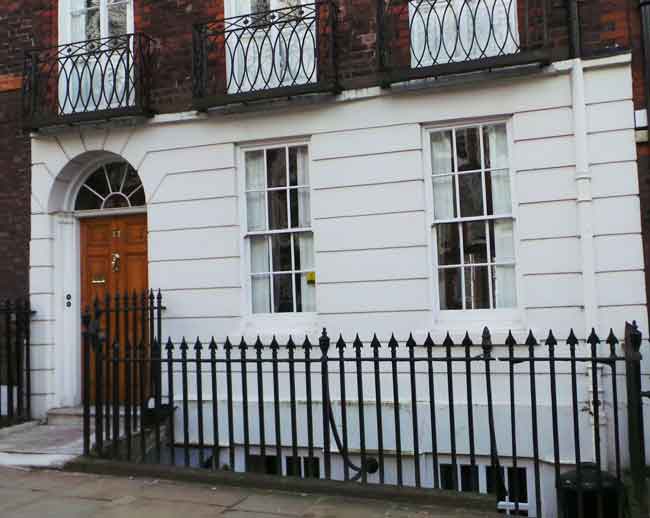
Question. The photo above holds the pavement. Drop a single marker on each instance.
(33, 493)
(40, 445)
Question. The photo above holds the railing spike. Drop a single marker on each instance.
(340, 343)
(428, 342)
(448, 342)
(227, 344)
(572, 339)
(467, 341)
(183, 345)
(375, 343)
(274, 345)
(550, 339)
(243, 345)
(611, 338)
(213, 344)
(593, 338)
(198, 345)
(530, 339)
(170, 344)
(392, 343)
(291, 344)
(410, 343)
(358, 344)
(258, 343)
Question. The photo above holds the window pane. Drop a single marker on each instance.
(116, 173)
(256, 210)
(303, 250)
(306, 292)
(261, 294)
(496, 146)
(281, 252)
(504, 290)
(502, 241)
(116, 201)
(117, 24)
(98, 183)
(441, 152)
(470, 187)
(448, 244)
(255, 170)
(300, 208)
(137, 197)
(282, 293)
(474, 242)
(497, 184)
(276, 167)
(278, 210)
(450, 288)
(468, 149)
(259, 254)
(299, 165)
(444, 197)
(87, 200)
(477, 290)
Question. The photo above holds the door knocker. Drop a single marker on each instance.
(115, 262)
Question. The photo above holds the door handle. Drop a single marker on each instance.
(99, 280)
(115, 262)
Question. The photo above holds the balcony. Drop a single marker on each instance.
(88, 81)
(278, 53)
(429, 38)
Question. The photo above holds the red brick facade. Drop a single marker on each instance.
(606, 26)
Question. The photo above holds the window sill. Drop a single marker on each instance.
(281, 325)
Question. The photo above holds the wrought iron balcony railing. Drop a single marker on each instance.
(287, 51)
(88, 81)
(424, 38)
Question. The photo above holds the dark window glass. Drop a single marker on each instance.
(469, 478)
(293, 467)
(282, 293)
(276, 167)
(447, 476)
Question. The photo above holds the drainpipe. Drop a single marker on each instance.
(574, 27)
(585, 198)
(644, 8)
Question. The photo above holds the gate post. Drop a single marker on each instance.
(635, 415)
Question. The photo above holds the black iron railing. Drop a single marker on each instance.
(275, 53)
(15, 367)
(122, 327)
(88, 80)
(424, 38)
(502, 418)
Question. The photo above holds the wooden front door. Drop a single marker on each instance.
(114, 261)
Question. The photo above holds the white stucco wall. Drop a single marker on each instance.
(578, 243)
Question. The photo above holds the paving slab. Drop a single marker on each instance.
(53, 494)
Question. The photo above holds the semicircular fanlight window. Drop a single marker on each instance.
(115, 185)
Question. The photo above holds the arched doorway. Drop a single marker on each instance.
(110, 208)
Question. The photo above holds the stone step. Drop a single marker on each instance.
(72, 416)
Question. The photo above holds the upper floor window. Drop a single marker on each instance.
(279, 232)
(448, 31)
(472, 213)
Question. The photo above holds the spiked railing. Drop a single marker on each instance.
(88, 81)
(15, 362)
(483, 417)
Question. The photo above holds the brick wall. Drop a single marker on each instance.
(20, 21)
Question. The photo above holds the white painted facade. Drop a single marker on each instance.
(578, 250)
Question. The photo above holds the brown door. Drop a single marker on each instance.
(114, 260)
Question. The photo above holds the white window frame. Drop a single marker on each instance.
(466, 319)
(295, 323)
